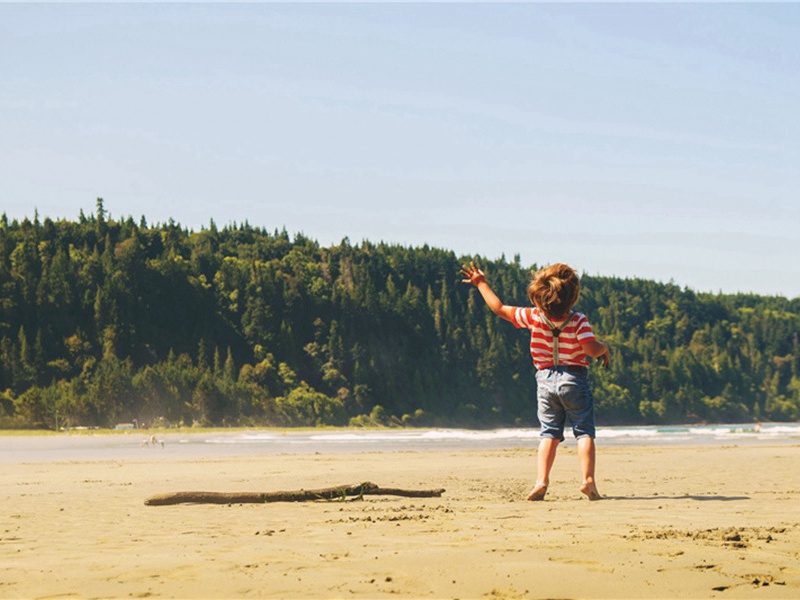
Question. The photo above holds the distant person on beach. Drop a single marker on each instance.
(152, 441)
(561, 340)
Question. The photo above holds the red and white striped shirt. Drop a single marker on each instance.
(570, 351)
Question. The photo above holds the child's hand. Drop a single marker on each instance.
(472, 274)
(605, 357)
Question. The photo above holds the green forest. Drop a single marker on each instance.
(104, 321)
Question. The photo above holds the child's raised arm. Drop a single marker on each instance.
(473, 275)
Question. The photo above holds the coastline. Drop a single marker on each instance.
(196, 444)
(677, 521)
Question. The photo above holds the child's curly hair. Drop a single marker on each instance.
(555, 290)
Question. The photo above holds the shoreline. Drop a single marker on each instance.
(135, 445)
(276, 428)
(689, 522)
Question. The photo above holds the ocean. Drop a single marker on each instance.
(134, 445)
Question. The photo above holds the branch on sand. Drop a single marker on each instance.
(334, 493)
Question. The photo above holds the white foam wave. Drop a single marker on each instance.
(397, 438)
(429, 435)
(607, 433)
(244, 438)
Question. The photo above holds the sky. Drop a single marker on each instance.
(657, 141)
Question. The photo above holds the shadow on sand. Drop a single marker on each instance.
(684, 497)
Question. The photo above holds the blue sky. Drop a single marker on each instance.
(640, 140)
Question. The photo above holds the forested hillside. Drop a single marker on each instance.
(105, 320)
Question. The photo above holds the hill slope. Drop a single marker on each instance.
(106, 320)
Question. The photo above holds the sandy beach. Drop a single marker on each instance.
(685, 522)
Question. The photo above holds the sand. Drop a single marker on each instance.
(704, 522)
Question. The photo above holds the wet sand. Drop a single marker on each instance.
(699, 522)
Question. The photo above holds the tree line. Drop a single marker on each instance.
(107, 320)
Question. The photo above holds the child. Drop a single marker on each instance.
(560, 342)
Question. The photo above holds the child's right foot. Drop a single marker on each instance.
(538, 492)
(590, 490)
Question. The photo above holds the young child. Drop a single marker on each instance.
(561, 340)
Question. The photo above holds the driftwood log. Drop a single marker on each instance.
(340, 492)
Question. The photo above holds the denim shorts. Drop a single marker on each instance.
(561, 394)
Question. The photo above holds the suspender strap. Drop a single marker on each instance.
(556, 333)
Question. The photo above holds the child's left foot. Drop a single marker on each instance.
(538, 492)
(590, 490)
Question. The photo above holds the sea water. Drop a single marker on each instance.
(135, 445)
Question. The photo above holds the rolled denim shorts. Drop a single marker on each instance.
(563, 394)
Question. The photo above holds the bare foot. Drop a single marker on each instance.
(590, 490)
(538, 492)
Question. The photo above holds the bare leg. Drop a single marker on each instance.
(586, 454)
(547, 455)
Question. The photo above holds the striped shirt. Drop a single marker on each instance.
(570, 351)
